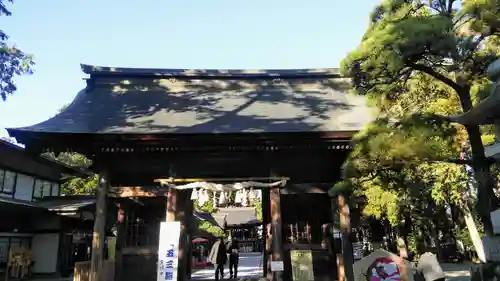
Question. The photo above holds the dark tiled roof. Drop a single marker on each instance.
(69, 204)
(239, 216)
(12, 201)
(210, 73)
(65, 168)
(121, 100)
(214, 220)
(53, 204)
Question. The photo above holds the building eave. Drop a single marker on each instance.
(486, 112)
(63, 167)
(493, 151)
(210, 73)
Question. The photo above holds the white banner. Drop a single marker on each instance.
(168, 251)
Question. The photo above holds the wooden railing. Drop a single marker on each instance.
(82, 271)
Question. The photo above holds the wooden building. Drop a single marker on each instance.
(243, 225)
(146, 125)
(27, 221)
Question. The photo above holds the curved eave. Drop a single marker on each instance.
(65, 168)
(211, 73)
(493, 151)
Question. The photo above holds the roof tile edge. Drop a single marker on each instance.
(313, 72)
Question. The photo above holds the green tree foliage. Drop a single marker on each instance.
(75, 185)
(204, 225)
(210, 228)
(419, 62)
(208, 206)
(258, 209)
(13, 61)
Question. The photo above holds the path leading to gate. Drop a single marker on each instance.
(457, 272)
(250, 265)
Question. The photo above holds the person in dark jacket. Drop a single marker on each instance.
(233, 249)
(218, 257)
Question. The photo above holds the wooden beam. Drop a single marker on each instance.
(183, 214)
(171, 204)
(139, 191)
(276, 224)
(306, 188)
(267, 234)
(159, 191)
(120, 241)
(189, 180)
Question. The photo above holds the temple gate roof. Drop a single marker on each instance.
(179, 101)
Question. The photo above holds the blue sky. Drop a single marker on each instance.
(169, 34)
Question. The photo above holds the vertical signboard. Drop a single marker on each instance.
(168, 251)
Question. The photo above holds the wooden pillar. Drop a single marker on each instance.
(266, 233)
(182, 214)
(188, 219)
(346, 260)
(171, 204)
(120, 241)
(268, 254)
(179, 207)
(276, 224)
(99, 236)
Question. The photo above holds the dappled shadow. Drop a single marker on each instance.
(211, 103)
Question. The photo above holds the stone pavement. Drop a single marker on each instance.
(250, 265)
(457, 272)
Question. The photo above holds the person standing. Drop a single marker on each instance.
(218, 257)
(232, 248)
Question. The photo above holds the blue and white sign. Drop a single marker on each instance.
(168, 251)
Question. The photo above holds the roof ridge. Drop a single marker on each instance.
(209, 73)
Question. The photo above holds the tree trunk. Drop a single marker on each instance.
(486, 200)
(434, 229)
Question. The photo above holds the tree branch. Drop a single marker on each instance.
(429, 71)
(450, 6)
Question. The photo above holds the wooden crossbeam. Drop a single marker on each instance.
(138, 191)
(189, 180)
(158, 191)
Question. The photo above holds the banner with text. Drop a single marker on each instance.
(168, 251)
